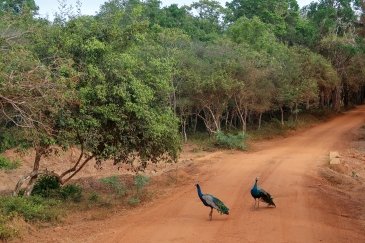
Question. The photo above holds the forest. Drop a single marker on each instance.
(137, 79)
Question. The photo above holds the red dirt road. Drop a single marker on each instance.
(288, 168)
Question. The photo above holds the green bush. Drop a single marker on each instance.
(7, 141)
(115, 184)
(134, 201)
(6, 232)
(230, 141)
(10, 138)
(47, 186)
(94, 197)
(7, 164)
(32, 208)
(140, 181)
(71, 192)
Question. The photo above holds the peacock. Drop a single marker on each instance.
(212, 202)
(260, 194)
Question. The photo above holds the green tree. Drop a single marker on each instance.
(331, 16)
(18, 6)
(281, 15)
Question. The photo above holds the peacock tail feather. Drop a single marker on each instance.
(222, 209)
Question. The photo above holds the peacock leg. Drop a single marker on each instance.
(258, 203)
(211, 214)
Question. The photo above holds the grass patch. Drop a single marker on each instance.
(134, 201)
(8, 164)
(6, 230)
(94, 197)
(230, 141)
(114, 183)
(32, 208)
(203, 142)
(50, 200)
(140, 181)
(274, 128)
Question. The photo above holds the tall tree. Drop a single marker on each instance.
(282, 15)
(18, 6)
(333, 16)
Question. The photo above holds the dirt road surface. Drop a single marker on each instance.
(288, 167)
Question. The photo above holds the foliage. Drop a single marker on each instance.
(18, 6)
(46, 186)
(119, 85)
(94, 197)
(115, 184)
(71, 192)
(282, 15)
(7, 164)
(230, 141)
(140, 181)
(134, 201)
(31, 208)
(6, 231)
(332, 17)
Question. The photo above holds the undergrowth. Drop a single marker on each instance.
(230, 141)
(8, 164)
(114, 183)
(50, 200)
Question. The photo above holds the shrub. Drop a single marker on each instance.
(32, 208)
(8, 164)
(7, 141)
(140, 181)
(94, 197)
(115, 184)
(6, 232)
(47, 186)
(134, 201)
(71, 192)
(10, 138)
(230, 141)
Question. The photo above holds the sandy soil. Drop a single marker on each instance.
(309, 207)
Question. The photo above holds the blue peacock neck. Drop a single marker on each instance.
(199, 190)
(255, 186)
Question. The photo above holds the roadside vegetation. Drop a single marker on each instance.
(8, 164)
(135, 81)
(49, 202)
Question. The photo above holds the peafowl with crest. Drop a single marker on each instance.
(212, 202)
(260, 194)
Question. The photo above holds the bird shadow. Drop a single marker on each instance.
(261, 208)
(217, 219)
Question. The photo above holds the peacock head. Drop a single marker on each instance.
(257, 178)
(197, 185)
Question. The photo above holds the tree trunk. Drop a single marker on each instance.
(38, 155)
(183, 127)
(63, 181)
(296, 112)
(29, 176)
(282, 115)
(195, 124)
(226, 119)
(260, 117)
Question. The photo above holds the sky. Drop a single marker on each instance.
(90, 7)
